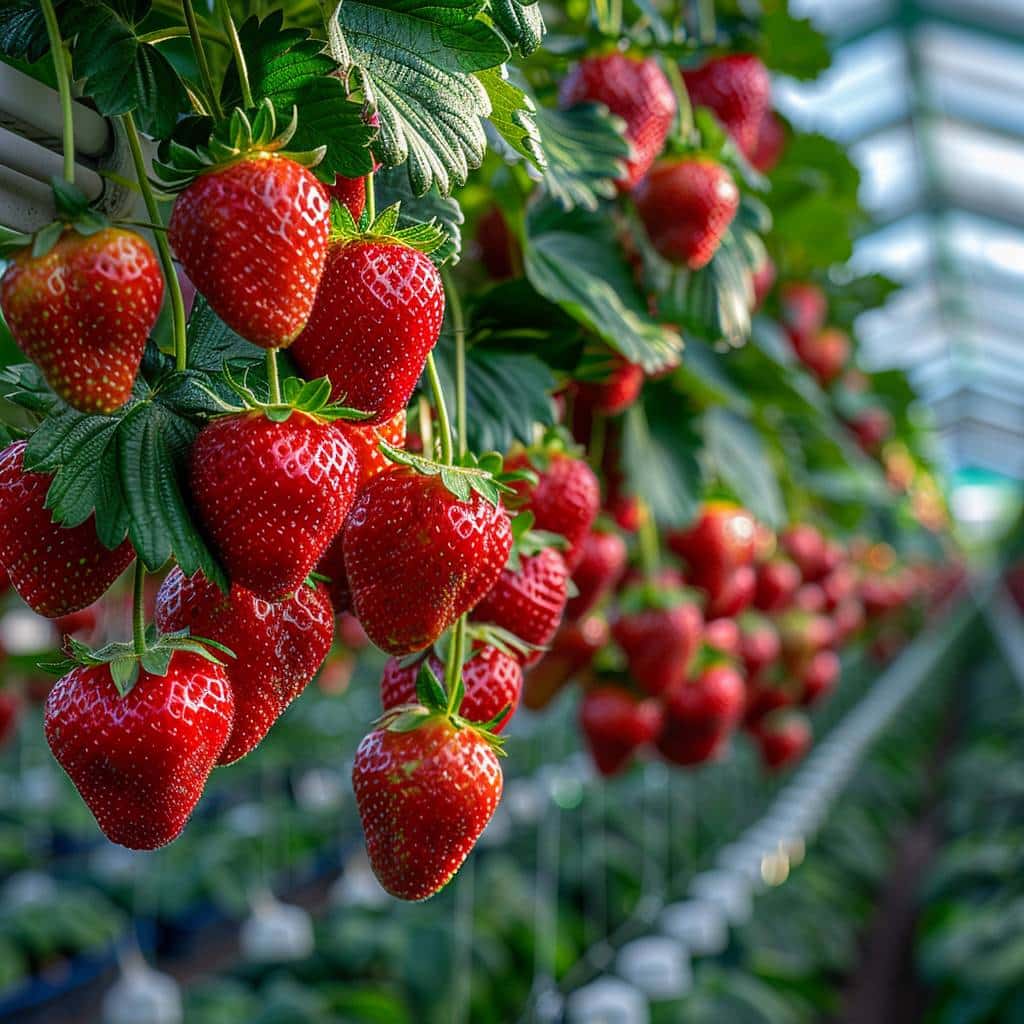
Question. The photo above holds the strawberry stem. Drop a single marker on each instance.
(272, 377)
(236, 49)
(454, 664)
(60, 68)
(707, 26)
(459, 327)
(371, 198)
(162, 247)
(204, 67)
(684, 108)
(443, 423)
(648, 542)
(139, 609)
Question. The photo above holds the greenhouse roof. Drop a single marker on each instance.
(926, 94)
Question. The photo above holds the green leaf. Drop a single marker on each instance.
(575, 261)
(586, 150)
(741, 462)
(122, 73)
(513, 114)
(429, 691)
(124, 671)
(521, 22)
(792, 46)
(416, 62)
(23, 30)
(392, 186)
(290, 69)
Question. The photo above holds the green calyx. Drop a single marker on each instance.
(311, 398)
(556, 441)
(232, 140)
(470, 475)
(647, 596)
(425, 238)
(124, 660)
(73, 212)
(434, 706)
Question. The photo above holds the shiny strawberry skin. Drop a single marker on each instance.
(700, 715)
(783, 740)
(734, 594)
(55, 570)
(659, 644)
(634, 89)
(529, 602)
(270, 643)
(771, 143)
(565, 499)
(350, 192)
(723, 635)
(722, 539)
(83, 311)
(492, 679)
(777, 582)
(377, 316)
(819, 677)
(616, 724)
(617, 392)
(737, 89)
(687, 205)
(417, 557)
(601, 565)
(424, 797)
(271, 496)
(140, 762)
(825, 354)
(804, 308)
(253, 237)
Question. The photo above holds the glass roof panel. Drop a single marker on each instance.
(891, 175)
(843, 17)
(904, 249)
(978, 166)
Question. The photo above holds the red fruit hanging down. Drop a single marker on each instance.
(760, 645)
(804, 309)
(634, 89)
(701, 715)
(872, 427)
(803, 634)
(417, 557)
(424, 797)
(825, 354)
(565, 500)
(763, 279)
(616, 724)
(848, 619)
(351, 193)
(783, 739)
(271, 496)
(252, 236)
(810, 598)
(737, 88)
(771, 142)
(772, 691)
(839, 586)
(572, 650)
(733, 595)
(56, 570)
(724, 636)
(493, 681)
(377, 315)
(819, 677)
(528, 600)
(602, 563)
(617, 392)
(687, 205)
(499, 249)
(140, 762)
(659, 630)
(277, 647)
(720, 540)
(806, 546)
(83, 311)
(777, 582)
(11, 704)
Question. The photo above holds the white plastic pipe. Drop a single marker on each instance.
(42, 164)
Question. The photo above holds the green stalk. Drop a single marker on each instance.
(139, 609)
(443, 423)
(371, 198)
(60, 68)
(162, 247)
(708, 27)
(272, 377)
(453, 666)
(683, 104)
(648, 543)
(204, 67)
(236, 49)
(459, 327)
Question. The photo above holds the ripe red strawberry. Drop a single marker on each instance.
(770, 692)
(565, 500)
(847, 619)
(277, 647)
(804, 309)
(377, 315)
(83, 311)
(819, 677)
(803, 634)
(733, 593)
(492, 678)
(777, 582)
(719, 541)
(763, 279)
(351, 193)
(701, 715)
(140, 762)
(616, 393)
(252, 236)
(528, 601)
(783, 739)
(424, 797)
(659, 632)
(737, 88)
(572, 650)
(56, 570)
(839, 586)
(634, 89)
(760, 645)
(602, 563)
(272, 496)
(687, 205)
(723, 635)
(417, 557)
(872, 427)
(84, 621)
(771, 141)
(806, 546)
(825, 354)
(616, 724)
(810, 598)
